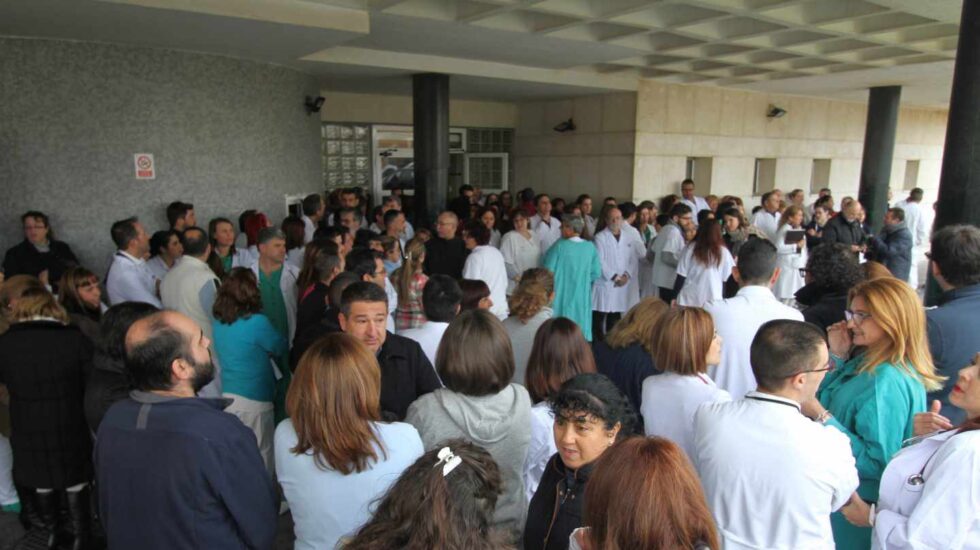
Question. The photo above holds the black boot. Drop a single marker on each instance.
(79, 511)
(28, 508)
(47, 509)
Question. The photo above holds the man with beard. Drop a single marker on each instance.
(173, 469)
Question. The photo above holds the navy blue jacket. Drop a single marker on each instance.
(893, 247)
(953, 340)
(182, 473)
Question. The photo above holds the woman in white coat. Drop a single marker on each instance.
(792, 256)
(521, 249)
(930, 491)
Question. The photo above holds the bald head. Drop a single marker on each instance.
(446, 225)
(168, 352)
(852, 210)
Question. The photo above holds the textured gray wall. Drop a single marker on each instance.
(226, 135)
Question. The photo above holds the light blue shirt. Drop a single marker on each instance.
(328, 505)
(244, 350)
(130, 280)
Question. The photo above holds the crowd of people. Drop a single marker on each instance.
(683, 374)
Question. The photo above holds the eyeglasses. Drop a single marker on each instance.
(857, 316)
(829, 368)
(803, 271)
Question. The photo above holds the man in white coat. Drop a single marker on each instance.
(639, 252)
(619, 260)
(917, 223)
(738, 318)
(771, 475)
(695, 202)
(190, 288)
(486, 263)
(667, 248)
(767, 219)
(544, 225)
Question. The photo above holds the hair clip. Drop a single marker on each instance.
(448, 460)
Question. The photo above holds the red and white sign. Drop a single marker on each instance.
(145, 167)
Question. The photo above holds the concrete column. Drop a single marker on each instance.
(959, 181)
(879, 148)
(430, 111)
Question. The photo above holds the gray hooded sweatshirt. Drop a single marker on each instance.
(500, 423)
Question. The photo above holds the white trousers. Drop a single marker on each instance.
(259, 417)
(8, 493)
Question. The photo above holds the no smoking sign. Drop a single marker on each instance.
(145, 167)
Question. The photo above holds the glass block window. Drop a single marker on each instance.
(485, 171)
(346, 155)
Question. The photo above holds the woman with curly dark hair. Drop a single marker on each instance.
(830, 272)
(446, 500)
(591, 414)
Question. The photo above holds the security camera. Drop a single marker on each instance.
(566, 126)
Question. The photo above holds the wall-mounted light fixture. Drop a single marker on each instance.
(566, 126)
(313, 104)
(775, 112)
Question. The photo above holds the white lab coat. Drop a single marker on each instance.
(696, 205)
(617, 256)
(737, 319)
(639, 253)
(767, 223)
(940, 508)
(486, 263)
(666, 250)
(548, 233)
(541, 448)
(918, 225)
(428, 335)
(647, 288)
(668, 402)
(519, 254)
(790, 259)
(130, 280)
(771, 476)
(702, 282)
(309, 228)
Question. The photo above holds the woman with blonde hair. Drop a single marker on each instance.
(43, 364)
(334, 455)
(409, 281)
(875, 270)
(880, 371)
(626, 356)
(684, 345)
(530, 306)
(791, 256)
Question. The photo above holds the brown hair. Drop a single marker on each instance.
(332, 400)
(682, 340)
(644, 493)
(71, 280)
(790, 211)
(708, 243)
(37, 302)
(475, 356)
(639, 325)
(238, 296)
(895, 308)
(875, 270)
(411, 266)
(559, 352)
(533, 293)
(474, 290)
(307, 274)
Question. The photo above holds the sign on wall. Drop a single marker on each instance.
(145, 167)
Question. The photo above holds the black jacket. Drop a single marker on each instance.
(44, 365)
(627, 368)
(106, 385)
(312, 307)
(182, 473)
(813, 241)
(557, 506)
(328, 324)
(893, 247)
(406, 375)
(839, 230)
(824, 306)
(953, 340)
(24, 259)
(446, 257)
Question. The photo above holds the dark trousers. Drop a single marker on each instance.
(602, 323)
(667, 294)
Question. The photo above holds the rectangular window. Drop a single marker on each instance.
(820, 176)
(699, 170)
(765, 176)
(911, 174)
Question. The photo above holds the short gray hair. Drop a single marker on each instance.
(574, 222)
(266, 234)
